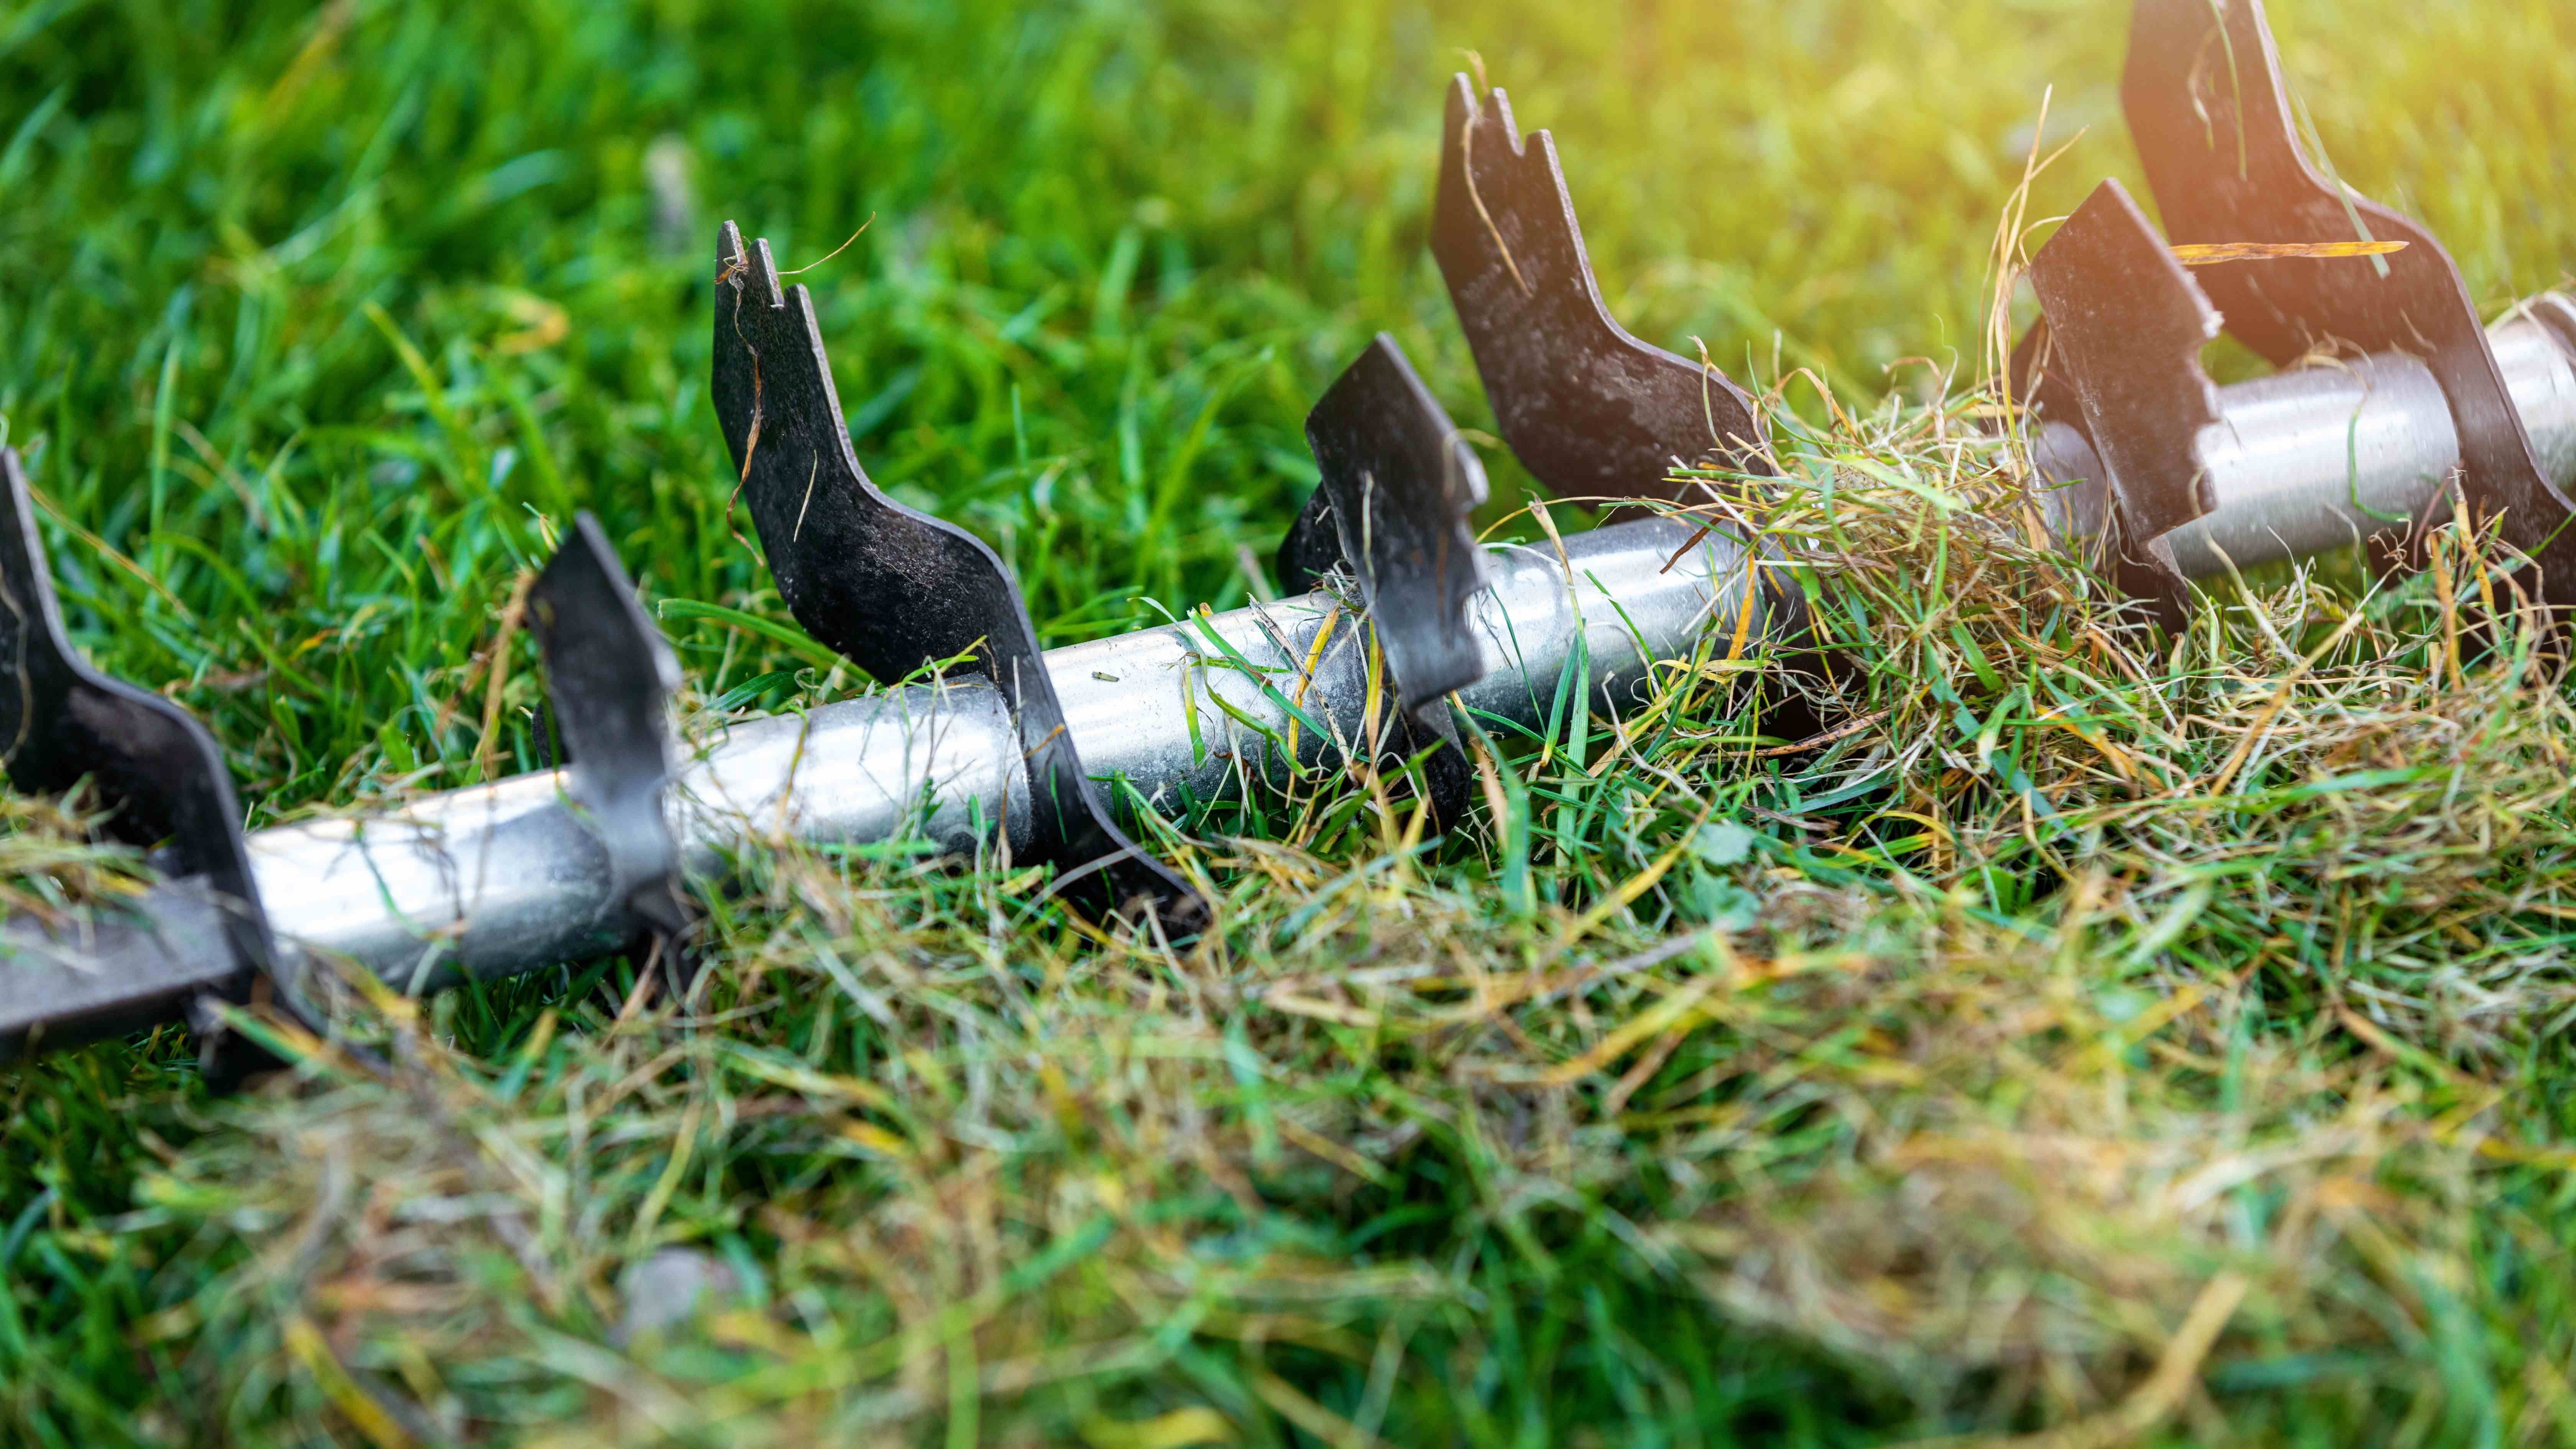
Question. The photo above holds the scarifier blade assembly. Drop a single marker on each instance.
(978, 740)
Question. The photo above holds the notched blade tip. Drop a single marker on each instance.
(1491, 109)
(736, 260)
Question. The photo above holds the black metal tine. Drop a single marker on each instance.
(1591, 411)
(2212, 120)
(1392, 511)
(163, 780)
(2126, 325)
(611, 675)
(891, 588)
(1399, 486)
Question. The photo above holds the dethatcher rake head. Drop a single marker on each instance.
(1403, 623)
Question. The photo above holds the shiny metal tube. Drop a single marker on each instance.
(2322, 457)
(497, 878)
(507, 876)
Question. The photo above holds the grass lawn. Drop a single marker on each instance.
(2134, 1046)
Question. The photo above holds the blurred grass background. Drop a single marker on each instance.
(316, 322)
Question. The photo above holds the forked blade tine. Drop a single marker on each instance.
(1591, 411)
(891, 588)
(611, 677)
(2126, 325)
(1394, 510)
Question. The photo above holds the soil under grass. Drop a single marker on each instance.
(2125, 1039)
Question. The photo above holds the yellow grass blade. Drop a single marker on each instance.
(2202, 254)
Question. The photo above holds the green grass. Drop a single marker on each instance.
(2034, 1059)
